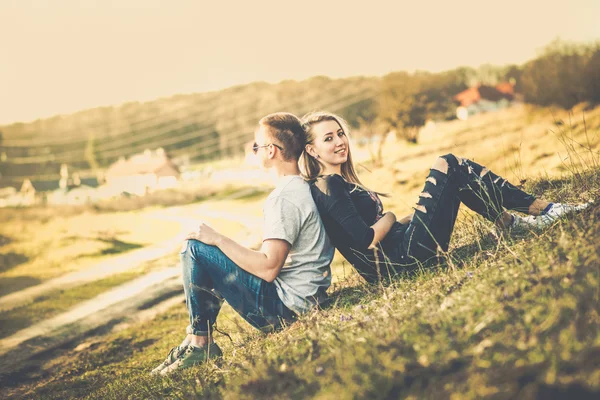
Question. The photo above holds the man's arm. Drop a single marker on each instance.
(265, 263)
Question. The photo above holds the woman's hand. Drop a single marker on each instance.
(406, 220)
(382, 227)
(206, 235)
(391, 215)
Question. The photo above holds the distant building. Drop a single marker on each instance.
(142, 173)
(8, 196)
(74, 195)
(69, 190)
(8, 191)
(31, 191)
(483, 98)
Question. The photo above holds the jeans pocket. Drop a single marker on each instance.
(184, 247)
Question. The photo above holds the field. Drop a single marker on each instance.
(515, 317)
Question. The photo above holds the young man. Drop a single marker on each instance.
(270, 287)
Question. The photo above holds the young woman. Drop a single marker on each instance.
(376, 243)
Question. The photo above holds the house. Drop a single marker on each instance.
(34, 192)
(73, 195)
(483, 98)
(70, 189)
(7, 192)
(7, 196)
(75, 190)
(142, 173)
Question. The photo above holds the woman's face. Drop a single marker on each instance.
(330, 144)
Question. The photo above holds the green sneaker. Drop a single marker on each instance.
(173, 355)
(193, 355)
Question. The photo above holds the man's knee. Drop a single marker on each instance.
(196, 248)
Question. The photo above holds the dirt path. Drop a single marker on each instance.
(121, 304)
(125, 262)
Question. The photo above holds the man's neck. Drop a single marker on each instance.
(285, 169)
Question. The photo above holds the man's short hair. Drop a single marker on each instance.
(287, 129)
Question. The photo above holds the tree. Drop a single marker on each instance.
(364, 119)
(400, 106)
(591, 77)
(408, 101)
(2, 152)
(557, 76)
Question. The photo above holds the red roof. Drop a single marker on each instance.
(474, 94)
(468, 96)
(506, 88)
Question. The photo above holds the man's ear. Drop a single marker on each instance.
(271, 152)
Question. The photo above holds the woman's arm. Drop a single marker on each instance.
(406, 220)
(382, 228)
(336, 201)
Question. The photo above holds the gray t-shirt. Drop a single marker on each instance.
(291, 214)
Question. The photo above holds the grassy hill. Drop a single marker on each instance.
(518, 317)
(195, 126)
(215, 125)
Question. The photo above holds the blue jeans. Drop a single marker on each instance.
(209, 277)
(468, 183)
(408, 245)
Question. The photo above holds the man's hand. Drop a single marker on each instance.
(206, 235)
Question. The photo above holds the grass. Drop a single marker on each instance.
(517, 319)
(514, 318)
(57, 301)
(55, 244)
(42, 243)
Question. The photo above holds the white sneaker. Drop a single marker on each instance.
(556, 211)
(519, 222)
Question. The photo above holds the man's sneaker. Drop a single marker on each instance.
(193, 355)
(553, 213)
(173, 355)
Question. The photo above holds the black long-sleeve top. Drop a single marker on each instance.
(347, 212)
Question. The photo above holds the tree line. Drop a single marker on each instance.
(563, 74)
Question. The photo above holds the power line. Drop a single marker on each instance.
(119, 124)
(124, 124)
(120, 140)
(76, 155)
(213, 145)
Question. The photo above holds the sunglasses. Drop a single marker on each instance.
(255, 147)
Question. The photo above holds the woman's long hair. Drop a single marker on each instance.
(311, 167)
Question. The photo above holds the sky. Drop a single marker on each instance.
(61, 56)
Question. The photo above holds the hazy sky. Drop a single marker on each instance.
(60, 56)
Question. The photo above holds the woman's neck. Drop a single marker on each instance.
(333, 169)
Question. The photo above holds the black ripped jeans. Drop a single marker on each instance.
(435, 214)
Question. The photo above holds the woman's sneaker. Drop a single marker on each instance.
(173, 355)
(191, 356)
(554, 212)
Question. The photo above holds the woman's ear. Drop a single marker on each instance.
(311, 151)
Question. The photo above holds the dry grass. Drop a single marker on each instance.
(515, 318)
